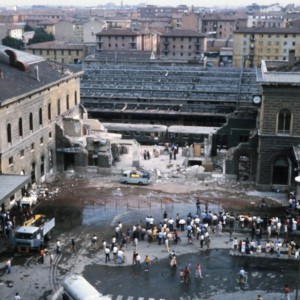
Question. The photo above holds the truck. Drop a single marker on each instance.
(34, 235)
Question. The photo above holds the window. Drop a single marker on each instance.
(182, 39)
(284, 121)
(40, 116)
(50, 135)
(11, 161)
(41, 140)
(58, 107)
(8, 133)
(269, 35)
(42, 165)
(20, 127)
(75, 97)
(293, 43)
(269, 43)
(33, 173)
(181, 54)
(174, 38)
(174, 46)
(49, 111)
(277, 43)
(190, 47)
(244, 43)
(181, 46)
(32, 146)
(22, 153)
(30, 122)
(68, 104)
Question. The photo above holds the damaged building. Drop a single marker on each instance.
(40, 114)
(272, 152)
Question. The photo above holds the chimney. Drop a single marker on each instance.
(36, 73)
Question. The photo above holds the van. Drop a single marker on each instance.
(76, 287)
(135, 177)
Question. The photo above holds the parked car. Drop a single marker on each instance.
(135, 177)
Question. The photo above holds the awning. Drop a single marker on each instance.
(10, 184)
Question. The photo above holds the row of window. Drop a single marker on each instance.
(32, 147)
(269, 43)
(40, 119)
(55, 52)
(270, 35)
(182, 39)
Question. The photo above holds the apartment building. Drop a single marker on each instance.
(220, 26)
(251, 45)
(126, 39)
(182, 45)
(270, 19)
(59, 51)
(78, 32)
(11, 30)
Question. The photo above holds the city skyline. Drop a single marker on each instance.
(204, 3)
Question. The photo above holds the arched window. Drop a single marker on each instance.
(68, 104)
(20, 127)
(30, 122)
(41, 116)
(8, 133)
(49, 111)
(284, 121)
(58, 107)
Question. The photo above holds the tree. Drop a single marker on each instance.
(41, 36)
(13, 43)
(28, 28)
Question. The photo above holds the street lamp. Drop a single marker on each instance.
(297, 179)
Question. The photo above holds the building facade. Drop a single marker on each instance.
(29, 113)
(251, 45)
(182, 45)
(61, 52)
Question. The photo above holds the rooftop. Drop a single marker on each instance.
(15, 82)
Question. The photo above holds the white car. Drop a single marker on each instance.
(135, 177)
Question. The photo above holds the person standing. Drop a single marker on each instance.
(286, 292)
(58, 247)
(42, 255)
(8, 266)
(107, 257)
(73, 245)
(147, 262)
(198, 271)
(17, 296)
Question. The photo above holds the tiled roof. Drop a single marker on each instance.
(186, 33)
(119, 31)
(269, 30)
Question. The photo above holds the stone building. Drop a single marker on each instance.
(272, 152)
(35, 94)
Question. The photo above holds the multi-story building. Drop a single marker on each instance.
(78, 32)
(125, 39)
(251, 45)
(222, 26)
(274, 19)
(61, 52)
(151, 11)
(11, 30)
(182, 45)
(35, 94)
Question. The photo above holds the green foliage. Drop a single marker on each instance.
(28, 28)
(13, 43)
(41, 36)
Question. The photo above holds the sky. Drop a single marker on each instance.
(205, 3)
